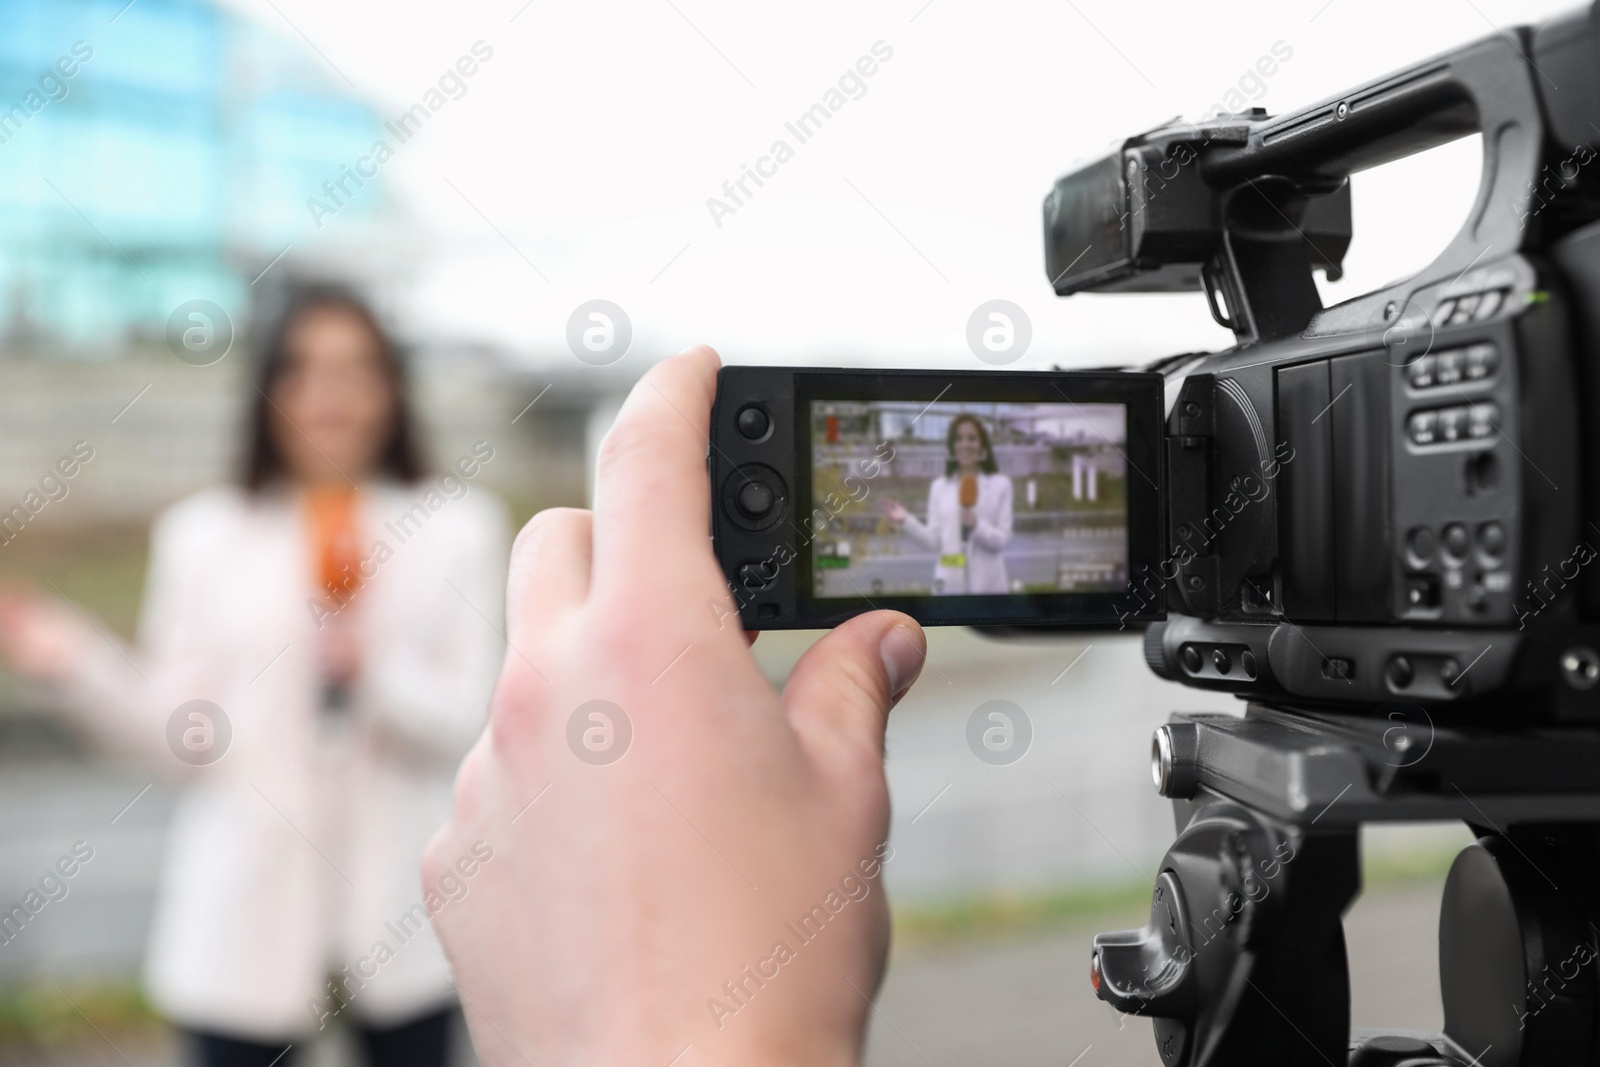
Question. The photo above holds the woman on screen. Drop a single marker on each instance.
(969, 515)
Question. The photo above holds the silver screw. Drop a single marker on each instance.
(1161, 759)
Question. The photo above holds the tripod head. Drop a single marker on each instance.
(1243, 959)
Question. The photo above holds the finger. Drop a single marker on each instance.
(652, 500)
(549, 571)
(845, 684)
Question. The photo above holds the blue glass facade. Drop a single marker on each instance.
(173, 163)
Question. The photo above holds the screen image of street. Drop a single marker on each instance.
(960, 498)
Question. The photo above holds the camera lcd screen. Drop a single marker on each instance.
(973, 497)
(953, 498)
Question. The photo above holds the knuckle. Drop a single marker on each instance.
(468, 792)
(517, 706)
(622, 446)
(528, 537)
(436, 857)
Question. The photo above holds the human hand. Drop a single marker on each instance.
(40, 638)
(625, 899)
(895, 510)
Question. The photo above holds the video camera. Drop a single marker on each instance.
(1377, 521)
(1383, 500)
(1435, 509)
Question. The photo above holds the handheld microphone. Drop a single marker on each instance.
(969, 498)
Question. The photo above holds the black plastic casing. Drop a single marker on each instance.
(770, 568)
(1394, 499)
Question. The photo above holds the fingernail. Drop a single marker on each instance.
(904, 649)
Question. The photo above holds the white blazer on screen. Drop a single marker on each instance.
(974, 564)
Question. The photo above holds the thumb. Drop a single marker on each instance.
(846, 683)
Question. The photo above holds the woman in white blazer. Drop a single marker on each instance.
(969, 538)
(337, 608)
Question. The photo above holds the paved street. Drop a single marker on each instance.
(1027, 1003)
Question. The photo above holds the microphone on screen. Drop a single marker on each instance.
(969, 498)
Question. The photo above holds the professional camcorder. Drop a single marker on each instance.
(1433, 514)
(1380, 500)
(1376, 521)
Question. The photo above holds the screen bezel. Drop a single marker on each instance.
(1140, 394)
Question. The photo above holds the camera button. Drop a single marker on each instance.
(1482, 361)
(1489, 304)
(1420, 372)
(1424, 425)
(1464, 309)
(753, 422)
(1456, 541)
(1423, 544)
(1447, 367)
(757, 577)
(1481, 419)
(1492, 540)
(756, 499)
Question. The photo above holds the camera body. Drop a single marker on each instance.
(1391, 500)
(1427, 532)
(1377, 514)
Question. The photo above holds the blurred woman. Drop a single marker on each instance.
(315, 654)
(969, 515)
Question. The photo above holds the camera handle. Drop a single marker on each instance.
(1287, 183)
(1243, 959)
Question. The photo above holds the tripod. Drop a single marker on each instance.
(1243, 960)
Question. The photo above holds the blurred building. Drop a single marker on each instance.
(160, 152)
(154, 153)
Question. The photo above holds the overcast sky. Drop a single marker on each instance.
(595, 135)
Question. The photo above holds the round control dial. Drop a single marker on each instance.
(754, 497)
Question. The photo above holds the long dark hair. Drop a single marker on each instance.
(400, 456)
(986, 461)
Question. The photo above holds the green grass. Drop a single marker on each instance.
(1397, 871)
(1001, 916)
(37, 1014)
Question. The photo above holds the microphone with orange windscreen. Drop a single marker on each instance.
(969, 499)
